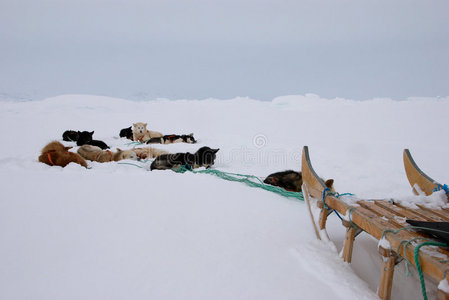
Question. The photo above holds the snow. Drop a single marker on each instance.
(444, 286)
(116, 231)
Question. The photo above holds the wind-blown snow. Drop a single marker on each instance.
(116, 231)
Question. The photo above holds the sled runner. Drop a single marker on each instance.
(385, 221)
(417, 178)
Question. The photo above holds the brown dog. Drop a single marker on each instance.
(56, 154)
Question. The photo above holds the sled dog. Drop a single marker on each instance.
(95, 153)
(173, 138)
(85, 138)
(127, 133)
(204, 157)
(142, 134)
(149, 152)
(70, 136)
(291, 180)
(56, 154)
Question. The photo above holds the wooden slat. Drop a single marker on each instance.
(442, 214)
(428, 216)
(404, 213)
(381, 212)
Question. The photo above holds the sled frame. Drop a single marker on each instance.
(416, 177)
(377, 218)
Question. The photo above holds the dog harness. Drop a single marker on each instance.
(49, 158)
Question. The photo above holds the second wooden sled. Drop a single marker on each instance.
(380, 219)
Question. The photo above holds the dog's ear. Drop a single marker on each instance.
(129, 127)
(92, 132)
(215, 150)
(190, 134)
(68, 148)
(329, 183)
(119, 150)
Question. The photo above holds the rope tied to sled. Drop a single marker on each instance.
(440, 187)
(418, 265)
(405, 243)
(250, 180)
(327, 192)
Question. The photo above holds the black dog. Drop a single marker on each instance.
(70, 136)
(85, 137)
(173, 138)
(127, 133)
(289, 180)
(204, 157)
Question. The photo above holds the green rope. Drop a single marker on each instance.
(246, 179)
(427, 242)
(131, 164)
(418, 265)
(134, 144)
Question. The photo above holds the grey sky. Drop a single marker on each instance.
(356, 49)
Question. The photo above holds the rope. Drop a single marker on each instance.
(246, 179)
(427, 242)
(418, 265)
(134, 143)
(131, 164)
(441, 187)
(327, 192)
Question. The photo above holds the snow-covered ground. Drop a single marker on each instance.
(116, 231)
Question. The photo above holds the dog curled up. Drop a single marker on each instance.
(95, 153)
(70, 136)
(142, 134)
(56, 154)
(204, 157)
(148, 152)
(127, 133)
(173, 138)
(86, 138)
(291, 180)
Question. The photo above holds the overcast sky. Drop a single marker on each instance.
(356, 49)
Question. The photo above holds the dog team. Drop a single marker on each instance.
(56, 154)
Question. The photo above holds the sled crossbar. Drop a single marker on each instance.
(380, 219)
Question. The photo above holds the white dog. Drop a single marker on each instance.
(148, 152)
(142, 134)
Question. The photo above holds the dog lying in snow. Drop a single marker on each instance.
(204, 157)
(142, 134)
(127, 133)
(85, 138)
(70, 136)
(56, 154)
(173, 138)
(95, 153)
(291, 181)
(148, 152)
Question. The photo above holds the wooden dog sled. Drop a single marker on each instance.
(381, 219)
